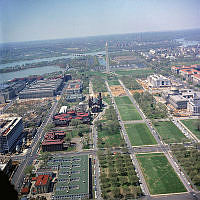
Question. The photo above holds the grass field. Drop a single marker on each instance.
(192, 125)
(108, 100)
(169, 132)
(135, 72)
(159, 175)
(139, 134)
(113, 82)
(122, 100)
(127, 110)
(108, 140)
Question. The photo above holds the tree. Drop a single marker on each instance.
(68, 138)
(99, 125)
(45, 157)
(75, 122)
(28, 170)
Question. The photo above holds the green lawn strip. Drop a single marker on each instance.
(159, 175)
(139, 134)
(128, 112)
(107, 99)
(135, 72)
(192, 126)
(122, 100)
(113, 82)
(109, 139)
(169, 132)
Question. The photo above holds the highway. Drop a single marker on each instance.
(161, 143)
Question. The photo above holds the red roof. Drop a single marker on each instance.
(78, 118)
(42, 180)
(194, 70)
(176, 67)
(34, 178)
(197, 76)
(51, 142)
(25, 190)
(186, 71)
(70, 112)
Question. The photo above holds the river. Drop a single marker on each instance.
(4, 77)
(12, 64)
(38, 70)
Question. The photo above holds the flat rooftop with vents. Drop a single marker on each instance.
(74, 177)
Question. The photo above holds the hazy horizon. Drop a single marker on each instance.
(38, 20)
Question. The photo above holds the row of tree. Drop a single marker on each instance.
(150, 107)
(130, 83)
(189, 159)
(118, 177)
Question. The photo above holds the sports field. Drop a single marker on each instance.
(192, 125)
(127, 110)
(159, 174)
(139, 134)
(169, 132)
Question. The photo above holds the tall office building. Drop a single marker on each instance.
(10, 131)
(107, 59)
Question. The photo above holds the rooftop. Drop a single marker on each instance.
(73, 177)
(8, 124)
(178, 98)
(42, 180)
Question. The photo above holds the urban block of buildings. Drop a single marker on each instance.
(74, 178)
(65, 118)
(42, 184)
(74, 91)
(53, 141)
(187, 99)
(74, 87)
(190, 73)
(10, 131)
(9, 91)
(42, 88)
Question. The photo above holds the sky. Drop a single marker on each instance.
(27, 20)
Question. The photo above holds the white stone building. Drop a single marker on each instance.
(194, 105)
(157, 81)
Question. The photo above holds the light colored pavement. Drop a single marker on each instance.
(133, 122)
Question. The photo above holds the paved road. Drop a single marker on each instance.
(17, 179)
(97, 186)
(144, 149)
(160, 142)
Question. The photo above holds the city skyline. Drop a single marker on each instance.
(37, 20)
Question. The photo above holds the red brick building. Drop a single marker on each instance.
(42, 183)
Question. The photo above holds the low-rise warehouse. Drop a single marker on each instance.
(41, 88)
